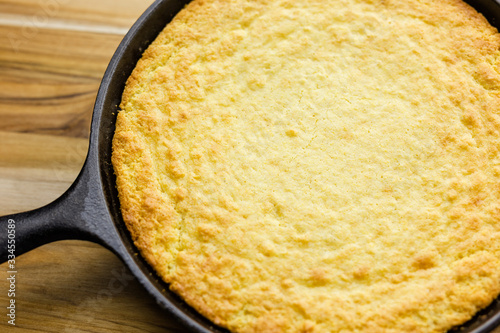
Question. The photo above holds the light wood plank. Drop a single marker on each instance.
(81, 54)
(38, 13)
(36, 169)
(76, 286)
(50, 83)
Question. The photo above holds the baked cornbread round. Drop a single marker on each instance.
(318, 166)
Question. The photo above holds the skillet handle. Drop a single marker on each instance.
(77, 214)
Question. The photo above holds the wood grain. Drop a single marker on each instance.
(53, 54)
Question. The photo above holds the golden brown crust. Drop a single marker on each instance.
(313, 166)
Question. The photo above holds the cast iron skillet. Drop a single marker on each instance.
(90, 210)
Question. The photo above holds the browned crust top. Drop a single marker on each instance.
(314, 166)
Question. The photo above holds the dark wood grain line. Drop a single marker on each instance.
(24, 66)
(77, 126)
(45, 100)
(32, 69)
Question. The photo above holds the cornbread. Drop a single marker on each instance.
(318, 166)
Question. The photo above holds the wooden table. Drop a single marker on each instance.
(53, 54)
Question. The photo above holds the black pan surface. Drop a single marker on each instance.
(90, 209)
